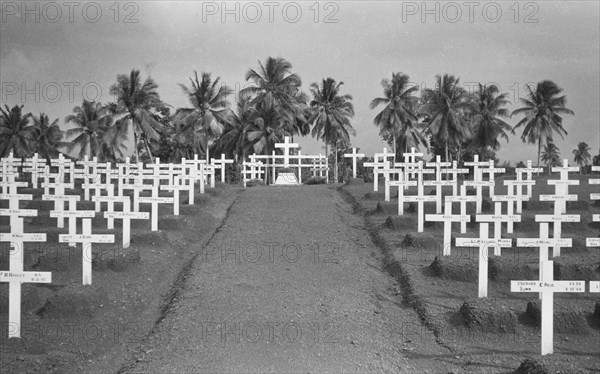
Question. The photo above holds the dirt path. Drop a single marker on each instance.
(290, 283)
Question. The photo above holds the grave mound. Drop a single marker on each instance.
(173, 222)
(386, 208)
(483, 315)
(67, 306)
(566, 321)
(116, 261)
(448, 268)
(531, 366)
(398, 222)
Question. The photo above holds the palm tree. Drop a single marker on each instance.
(398, 117)
(275, 86)
(551, 155)
(265, 131)
(209, 108)
(234, 139)
(16, 132)
(330, 114)
(92, 122)
(445, 106)
(582, 155)
(486, 112)
(136, 102)
(542, 111)
(47, 136)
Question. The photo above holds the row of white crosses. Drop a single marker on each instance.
(97, 177)
(546, 285)
(257, 169)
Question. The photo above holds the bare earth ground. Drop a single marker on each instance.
(291, 283)
(495, 334)
(67, 327)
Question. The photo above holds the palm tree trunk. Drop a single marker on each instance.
(539, 150)
(326, 156)
(148, 150)
(446, 151)
(135, 146)
(395, 149)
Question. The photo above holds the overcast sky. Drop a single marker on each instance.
(69, 47)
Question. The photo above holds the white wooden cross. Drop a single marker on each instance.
(454, 171)
(420, 198)
(438, 182)
(492, 171)
(562, 185)
(547, 288)
(11, 194)
(175, 187)
(255, 170)
(557, 220)
(401, 184)
(478, 181)
(497, 218)
(34, 165)
(463, 199)
(88, 173)
(86, 239)
(483, 242)
(190, 175)
(559, 200)
(594, 181)
(355, 156)
(528, 171)
(594, 242)
(126, 215)
(387, 170)
(220, 163)
(16, 276)
(8, 176)
(71, 213)
(410, 158)
(15, 279)
(447, 218)
(65, 168)
(376, 165)
(286, 145)
(155, 199)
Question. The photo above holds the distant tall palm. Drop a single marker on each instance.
(542, 114)
(92, 122)
(16, 132)
(275, 86)
(330, 114)
(209, 108)
(137, 100)
(445, 106)
(486, 112)
(551, 155)
(582, 155)
(398, 118)
(47, 136)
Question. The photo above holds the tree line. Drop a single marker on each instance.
(445, 120)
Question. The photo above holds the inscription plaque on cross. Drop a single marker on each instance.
(594, 242)
(483, 242)
(355, 156)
